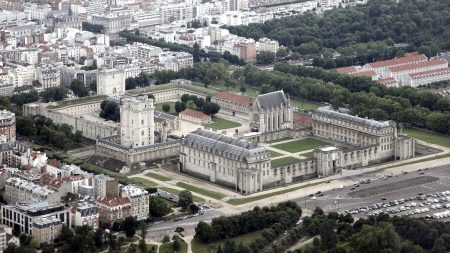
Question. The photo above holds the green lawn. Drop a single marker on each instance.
(278, 140)
(219, 124)
(176, 192)
(300, 145)
(158, 107)
(246, 240)
(308, 154)
(143, 182)
(275, 154)
(283, 160)
(430, 137)
(305, 105)
(158, 177)
(250, 91)
(167, 248)
(241, 201)
(202, 191)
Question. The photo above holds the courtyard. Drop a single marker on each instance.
(220, 124)
(297, 146)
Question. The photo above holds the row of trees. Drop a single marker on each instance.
(46, 132)
(86, 26)
(280, 217)
(194, 102)
(365, 33)
(339, 234)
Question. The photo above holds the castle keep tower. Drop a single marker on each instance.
(136, 122)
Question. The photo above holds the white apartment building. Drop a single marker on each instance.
(112, 23)
(97, 7)
(176, 60)
(139, 199)
(85, 213)
(173, 12)
(267, 45)
(49, 76)
(143, 51)
(21, 191)
(21, 75)
(12, 18)
(37, 11)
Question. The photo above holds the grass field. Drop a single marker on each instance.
(308, 154)
(176, 192)
(250, 91)
(241, 201)
(305, 105)
(300, 145)
(283, 160)
(158, 107)
(211, 194)
(158, 177)
(246, 240)
(275, 154)
(143, 182)
(167, 248)
(278, 140)
(219, 124)
(430, 137)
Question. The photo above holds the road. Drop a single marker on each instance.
(158, 230)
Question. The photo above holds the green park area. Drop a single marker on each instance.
(168, 248)
(158, 107)
(278, 140)
(275, 154)
(308, 154)
(246, 240)
(304, 104)
(284, 160)
(300, 145)
(202, 191)
(427, 136)
(143, 182)
(219, 124)
(158, 177)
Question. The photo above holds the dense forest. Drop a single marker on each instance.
(378, 30)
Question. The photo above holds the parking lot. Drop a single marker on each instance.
(423, 193)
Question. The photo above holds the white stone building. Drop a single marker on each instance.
(110, 82)
(267, 45)
(139, 199)
(271, 112)
(137, 122)
(85, 213)
(49, 76)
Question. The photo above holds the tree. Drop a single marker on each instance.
(185, 199)
(129, 226)
(190, 104)
(179, 107)
(166, 107)
(265, 57)
(93, 86)
(176, 245)
(166, 239)
(78, 88)
(158, 207)
(229, 247)
(184, 98)
(196, 52)
(200, 102)
(110, 110)
(243, 89)
(210, 108)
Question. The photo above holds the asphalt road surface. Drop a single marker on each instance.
(386, 189)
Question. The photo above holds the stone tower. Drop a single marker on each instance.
(110, 82)
(136, 122)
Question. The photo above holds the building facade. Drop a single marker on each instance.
(8, 125)
(139, 199)
(271, 112)
(110, 82)
(137, 124)
(113, 209)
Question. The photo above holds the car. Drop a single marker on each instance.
(299, 222)
(421, 173)
(285, 232)
(319, 192)
(321, 195)
(351, 189)
(357, 185)
(405, 172)
(383, 198)
(310, 195)
(313, 198)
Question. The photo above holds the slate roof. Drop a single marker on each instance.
(272, 100)
(222, 145)
(326, 111)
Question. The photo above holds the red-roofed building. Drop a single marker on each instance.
(113, 209)
(233, 104)
(370, 73)
(347, 70)
(194, 116)
(425, 77)
(401, 73)
(388, 81)
(381, 67)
